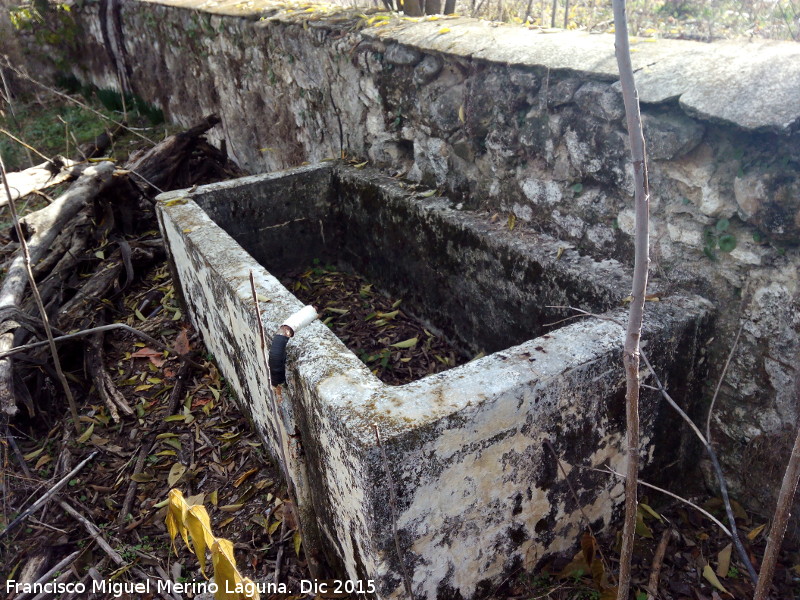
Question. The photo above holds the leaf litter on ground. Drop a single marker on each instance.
(395, 346)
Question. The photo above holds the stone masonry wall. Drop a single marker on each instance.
(515, 122)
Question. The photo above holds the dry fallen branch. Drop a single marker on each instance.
(658, 562)
(44, 229)
(48, 576)
(41, 177)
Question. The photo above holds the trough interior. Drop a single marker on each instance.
(454, 270)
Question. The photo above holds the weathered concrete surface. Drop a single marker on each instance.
(479, 495)
(514, 121)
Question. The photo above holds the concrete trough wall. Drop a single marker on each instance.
(478, 493)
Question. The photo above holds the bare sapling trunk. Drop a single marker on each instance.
(780, 519)
(634, 330)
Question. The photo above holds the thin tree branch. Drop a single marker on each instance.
(779, 521)
(719, 383)
(636, 315)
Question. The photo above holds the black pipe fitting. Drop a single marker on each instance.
(277, 359)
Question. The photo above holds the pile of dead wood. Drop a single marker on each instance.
(84, 248)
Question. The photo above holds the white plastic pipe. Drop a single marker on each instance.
(301, 318)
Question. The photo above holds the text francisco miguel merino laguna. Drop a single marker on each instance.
(119, 588)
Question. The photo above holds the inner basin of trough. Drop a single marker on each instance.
(445, 285)
(396, 346)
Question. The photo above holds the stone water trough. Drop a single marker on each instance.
(469, 451)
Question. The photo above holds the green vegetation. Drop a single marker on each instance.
(54, 127)
(48, 127)
(718, 238)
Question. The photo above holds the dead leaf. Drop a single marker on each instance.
(711, 577)
(181, 345)
(753, 533)
(86, 434)
(724, 558)
(242, 478)
(155, 356)
(175, 473)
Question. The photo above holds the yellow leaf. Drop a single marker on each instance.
(244, 477)
(231, 507)
(86, 434)
(182, 200)
(176, 516)
(297, 539)
(175, 473)
(225, 573)
(512, 221)
(214, 497)
(199, 525)
(753, 533)
(711, 577)
(646, 508)
(410, 343)
(274, 527)
(34, 454)
(42, 461)
(444, 30)
(461, 116)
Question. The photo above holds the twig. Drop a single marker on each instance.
(273, 391)
(393, 507)
(779, 522)
(47, 495)
(658, 562)
(47, 576)
(719, 383)
(549, 445)
(23, 144)
(77, 334)
(26, 258)
(733, 532)
(276, 577)
(699, 509)
(130, 494)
